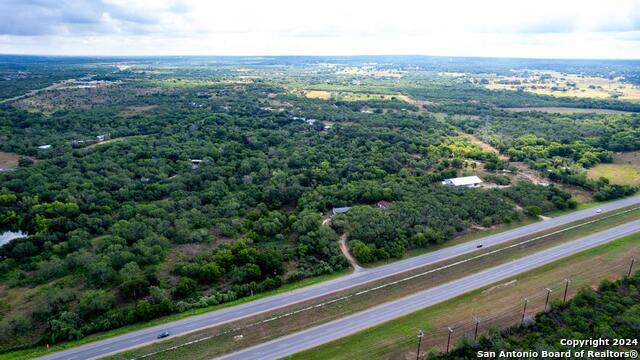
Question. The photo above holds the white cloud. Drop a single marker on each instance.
(524, 28)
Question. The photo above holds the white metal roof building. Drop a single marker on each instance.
(467, 181)
(340, 210)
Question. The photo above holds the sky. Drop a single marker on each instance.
(607, 29)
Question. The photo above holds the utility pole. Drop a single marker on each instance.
(633, 260)
(546, 303)
(475, 334)
(524, 311)
(566, 288)
(420, 336)
(449, 338)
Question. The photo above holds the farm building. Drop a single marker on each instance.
(103, 137)
(340, 210)
(466, 181)
(195, 163)
(44, 147)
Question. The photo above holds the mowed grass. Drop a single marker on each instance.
(625, 169)
(396, 339)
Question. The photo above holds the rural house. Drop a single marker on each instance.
(340, 210)
(467, 181)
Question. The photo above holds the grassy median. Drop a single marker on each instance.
(396, 339)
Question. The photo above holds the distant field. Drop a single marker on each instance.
(396, 339)
(318, 94)
(624, 171)
(564, 110)
(573, 85)
(8, 160)
(351, 96)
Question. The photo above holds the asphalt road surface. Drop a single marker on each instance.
(309, 338)
(214, 318)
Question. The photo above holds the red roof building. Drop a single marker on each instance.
(383, 204)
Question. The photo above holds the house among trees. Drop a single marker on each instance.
(383, 204)
(77, 143)
(195, 163)
(340, 210)
(466, 181)
(44, 147)
(103, 137)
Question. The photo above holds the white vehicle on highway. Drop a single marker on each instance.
(598, 211)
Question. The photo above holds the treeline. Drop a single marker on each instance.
(561, 147)
(612, 312)
(457, 94)
(423, 215)
(133, 230)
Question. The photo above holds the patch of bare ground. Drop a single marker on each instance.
(135, 110)
(524, 172)
(8, 160)
(413, 101)
(483, 145)
(528, 174)
(630, 158)
(105, 142)
(345, 251)
(85, 98)
(318, 94)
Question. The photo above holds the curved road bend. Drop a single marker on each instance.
(309, 338)
(214, 318)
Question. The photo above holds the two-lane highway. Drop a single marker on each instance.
(214, 318)
(322, 334)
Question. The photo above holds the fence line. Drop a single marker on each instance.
(479, 324)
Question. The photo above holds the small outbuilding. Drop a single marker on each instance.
(340, 210)
(195, 163)
(103, 137)
(383, 204)
(466, 181)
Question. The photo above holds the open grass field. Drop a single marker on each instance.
(572, 85)
(318, 94)
(564, 110)
(498, 305)
(625, 170)
(351, 96)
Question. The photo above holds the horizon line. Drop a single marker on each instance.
(311, 56)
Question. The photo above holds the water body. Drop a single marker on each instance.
(7, 236)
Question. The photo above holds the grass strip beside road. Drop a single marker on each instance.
(396, 339)
(246, 332)
(41, 351)
(34, 352)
